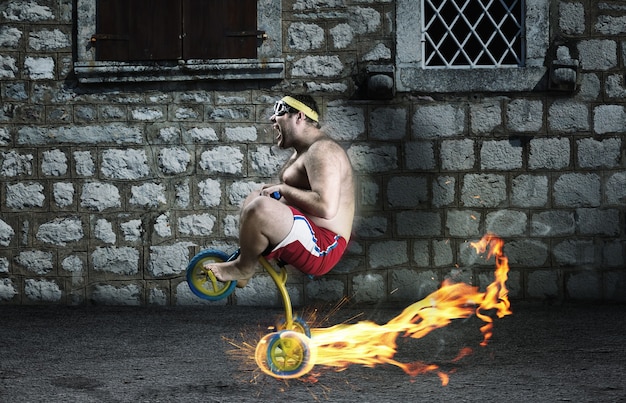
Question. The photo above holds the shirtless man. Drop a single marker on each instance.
(310, 225)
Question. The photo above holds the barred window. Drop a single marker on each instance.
(473, 33)
(471, 45)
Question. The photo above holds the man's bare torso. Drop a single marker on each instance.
(295, 174)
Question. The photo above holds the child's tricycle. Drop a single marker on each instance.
(285, 353)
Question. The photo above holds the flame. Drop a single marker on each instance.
(369, 344)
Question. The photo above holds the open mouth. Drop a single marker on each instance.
(278, 135)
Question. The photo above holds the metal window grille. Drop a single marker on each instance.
(473, 33)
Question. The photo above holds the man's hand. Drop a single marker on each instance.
(272, 191)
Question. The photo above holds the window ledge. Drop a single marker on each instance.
(189, 70)
(471, 80)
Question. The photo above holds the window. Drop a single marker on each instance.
(471, 45)
(472, 33)
(157, 40)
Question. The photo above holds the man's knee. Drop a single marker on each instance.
(266, 209)
(257, 206)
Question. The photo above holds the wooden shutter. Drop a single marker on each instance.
(220, 29)
(130, 30)
(133, 30)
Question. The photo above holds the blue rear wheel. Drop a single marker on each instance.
(202, 282)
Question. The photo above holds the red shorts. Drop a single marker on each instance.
(311, 249)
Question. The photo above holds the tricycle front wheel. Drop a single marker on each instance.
(286, 354)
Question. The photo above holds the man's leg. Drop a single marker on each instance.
(263, 222)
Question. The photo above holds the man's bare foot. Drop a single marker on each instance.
(229, 271)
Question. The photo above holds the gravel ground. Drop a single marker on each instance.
(120, 354)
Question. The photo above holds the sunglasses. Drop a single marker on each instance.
(281, 108)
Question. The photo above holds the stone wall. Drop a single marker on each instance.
(108, 190)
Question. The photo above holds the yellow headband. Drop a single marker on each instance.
(294, 103)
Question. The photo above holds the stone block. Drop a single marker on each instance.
(8, 290)
(506, 223)
(61, 231)
(552, 223)
(318, 66)
(597, 54)
(39, 68)
(124, 164)
(613, 253)
(544, 284)
(568, 117)
(421, 253)
(372, 226)
(529, 191)
(616, 189)
(577, 190)
(148, 195)
(483, 190)
(222, 160)
(599, 154)
(525, 115)
(388, 123)
(419, 155)
(463, 223)
(169, 260)
(116, 260)
(25, 195)
(42, 291)
(611, 25)
(444, 191)
(197, 224)
(501, 155)
(614, 285)
(407, 191)
(303, 36)
(527, 253)
(185, 297)
(585, 285)
(609, 119)
(418, 223)
(410, 285)
(549, 153)
(373, 159)
(116, 294)
(388, 254)
(457, 155)
(173, 160)
(369, 288)
(260, 291)
(442, 253)
(574, 253)
(325, 289)
(343, 122)
(437, 121)
(39, 262)
(593, 221)
(486, 116)
(572, 18)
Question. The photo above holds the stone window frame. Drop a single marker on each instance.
(269, 64)
(411, 76)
